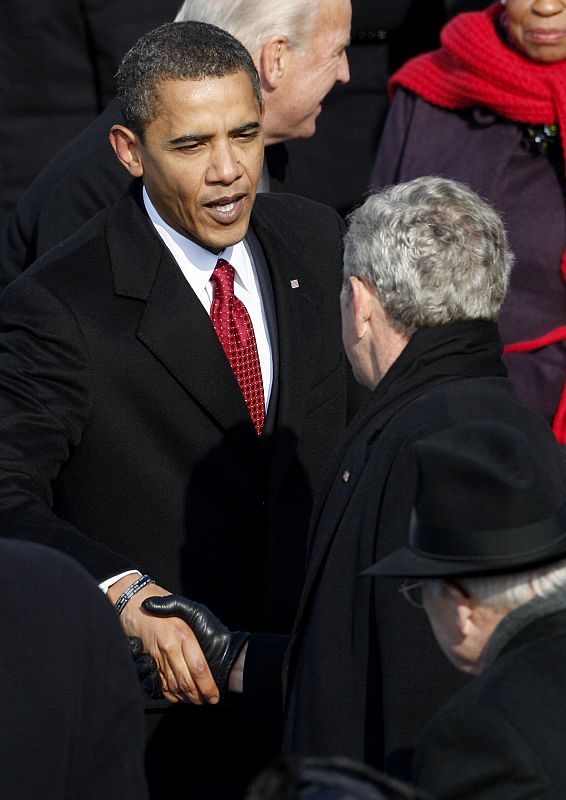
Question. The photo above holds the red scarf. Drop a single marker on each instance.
(474, 67)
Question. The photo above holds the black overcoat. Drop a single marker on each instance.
(364, 673)
(124, 437)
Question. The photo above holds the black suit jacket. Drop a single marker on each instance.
(502, 737)
(124, 437)
(364, 674)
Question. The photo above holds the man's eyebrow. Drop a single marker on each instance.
(247, 126)
(190, 138)
(195, 138)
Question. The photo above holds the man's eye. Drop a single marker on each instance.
(185, 148)
(247, 137)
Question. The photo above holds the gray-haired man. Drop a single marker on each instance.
(426, 269)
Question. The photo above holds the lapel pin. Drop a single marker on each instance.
(294, 283)
(345, 476)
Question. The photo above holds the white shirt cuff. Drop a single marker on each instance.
(105, 585)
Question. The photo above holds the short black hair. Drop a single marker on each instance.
(177, 51)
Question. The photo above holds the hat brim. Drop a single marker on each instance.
(410, 563)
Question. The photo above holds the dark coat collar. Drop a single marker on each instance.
(540, 617)
(433, 356)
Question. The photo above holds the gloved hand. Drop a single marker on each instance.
(221, 647)
(146, 669)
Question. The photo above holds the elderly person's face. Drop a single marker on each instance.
(538, 28)
(462, 626)
(313, 71)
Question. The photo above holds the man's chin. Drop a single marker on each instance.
(219, 240)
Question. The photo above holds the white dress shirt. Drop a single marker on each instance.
(197, 265)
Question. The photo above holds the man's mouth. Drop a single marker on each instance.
(226, 210)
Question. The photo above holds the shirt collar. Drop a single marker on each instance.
(200, 261)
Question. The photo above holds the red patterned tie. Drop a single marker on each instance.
(234, 328)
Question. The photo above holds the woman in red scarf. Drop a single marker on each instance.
(488, 109)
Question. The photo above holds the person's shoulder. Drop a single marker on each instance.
(89, 148)
(294, 209)
(75, 246)
(41, 566)
(65, 267)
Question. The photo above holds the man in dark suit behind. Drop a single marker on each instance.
(58, 59)
(125, 436)
(486, 557)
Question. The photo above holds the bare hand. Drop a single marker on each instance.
(182, 666)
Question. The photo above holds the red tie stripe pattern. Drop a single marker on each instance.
(234, 328)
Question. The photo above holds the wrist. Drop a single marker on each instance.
(131, 591)
(116, 589)
(133, 615)
(236, 677)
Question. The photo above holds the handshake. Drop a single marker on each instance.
(220, 646)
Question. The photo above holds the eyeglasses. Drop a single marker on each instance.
(413, 593)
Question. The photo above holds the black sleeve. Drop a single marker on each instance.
(45, 402)
(263, 694)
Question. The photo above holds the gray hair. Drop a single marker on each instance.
(254, 21)
(433, 251)
(177, 51)
(509, 591)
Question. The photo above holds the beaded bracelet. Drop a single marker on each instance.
(133, 589)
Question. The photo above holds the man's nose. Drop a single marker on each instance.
(224, 164)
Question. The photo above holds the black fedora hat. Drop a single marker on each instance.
(485, 505)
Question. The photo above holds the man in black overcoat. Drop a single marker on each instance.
(487, 557)
(426, 268)
(126, 439)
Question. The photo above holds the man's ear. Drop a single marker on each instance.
(125, 144)
(273, 61)
(362, 297)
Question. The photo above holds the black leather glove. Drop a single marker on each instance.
(221, 647)
(146, 669)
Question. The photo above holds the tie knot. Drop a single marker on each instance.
(223, 279)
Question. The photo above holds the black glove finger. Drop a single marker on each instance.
(197, 616)
(136, 646)
(151, 686)
(219, 645)
(146, 669)
(145, 665)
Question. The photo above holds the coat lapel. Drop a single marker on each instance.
(174, 327)
(296, 309)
